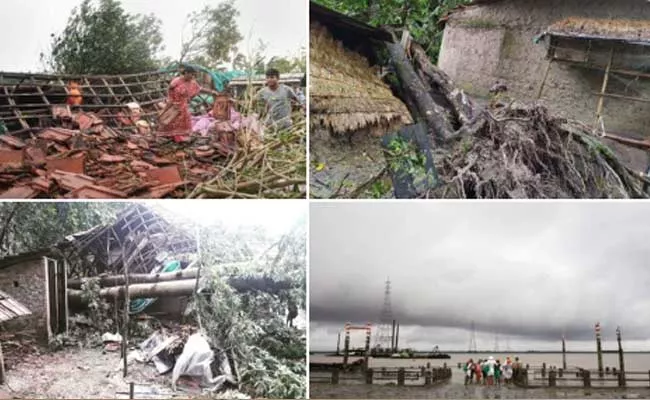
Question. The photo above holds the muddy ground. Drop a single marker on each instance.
(459, 391)
(85, 373)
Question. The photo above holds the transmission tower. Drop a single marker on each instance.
(384, 337)
(472, 339)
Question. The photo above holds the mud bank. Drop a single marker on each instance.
(456, 391)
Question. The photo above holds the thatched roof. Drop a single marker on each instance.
(624, 30)
(346, 94)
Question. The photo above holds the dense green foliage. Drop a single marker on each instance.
(32, 226)
(101, 38)
(255, 61)
(420, 17)
(270, 355)
(214, 35)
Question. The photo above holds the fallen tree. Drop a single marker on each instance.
(508, 149)
(170, 284)
(119, 280)
(140, 291)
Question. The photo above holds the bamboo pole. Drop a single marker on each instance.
(543, 83)
(2, 367)
(601, 100)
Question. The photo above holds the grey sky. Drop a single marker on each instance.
(27, 25)
(276, 216)
(527, 271)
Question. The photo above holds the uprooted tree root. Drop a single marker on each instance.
(523, 152)
(507, 150)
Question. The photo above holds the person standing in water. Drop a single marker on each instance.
(491, 367)
(278, 98)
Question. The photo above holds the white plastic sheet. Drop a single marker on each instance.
(195, 361)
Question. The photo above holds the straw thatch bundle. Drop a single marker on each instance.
(623, 29)
(346, 95)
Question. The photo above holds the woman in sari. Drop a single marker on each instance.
(181, 91)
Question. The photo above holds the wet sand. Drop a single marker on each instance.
(456, 391)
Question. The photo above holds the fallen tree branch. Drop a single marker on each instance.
(508, 149)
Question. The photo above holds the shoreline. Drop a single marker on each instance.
(456, 391)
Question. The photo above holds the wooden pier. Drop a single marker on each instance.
(401, 376)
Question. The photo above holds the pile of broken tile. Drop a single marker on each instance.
(82, 157)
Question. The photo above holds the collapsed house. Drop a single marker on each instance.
(49, 281)
(351, 108)
(94, 137)
(586, 60)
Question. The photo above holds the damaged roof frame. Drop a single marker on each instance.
(140, 236)
(26, 99)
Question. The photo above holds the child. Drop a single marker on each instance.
(278, 98)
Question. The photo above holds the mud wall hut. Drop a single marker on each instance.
(351, 108)
(34, 280)
(559, 51)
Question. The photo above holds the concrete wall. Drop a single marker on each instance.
(25, 282)
(493, 43)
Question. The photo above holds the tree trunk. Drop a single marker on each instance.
(437, 118)
(177, 288)
(119, 280)
(141, 290)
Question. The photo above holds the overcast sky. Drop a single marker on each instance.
(528, 272)
(276, 216)
(27, 25)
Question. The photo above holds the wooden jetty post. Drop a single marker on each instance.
(401, 376)
(563, 353)
(428, 377)
(336, 374)
(552, 378)
(543, 370)
(621, 361)
(338, 345)
(346, 346)
(599, 350)
(369, 373)
(367, 352)
(586, 377)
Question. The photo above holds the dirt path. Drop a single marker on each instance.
(83, 373)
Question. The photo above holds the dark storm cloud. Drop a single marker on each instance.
(531, 271)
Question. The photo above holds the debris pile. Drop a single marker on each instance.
(186, 355)
(83, 158)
